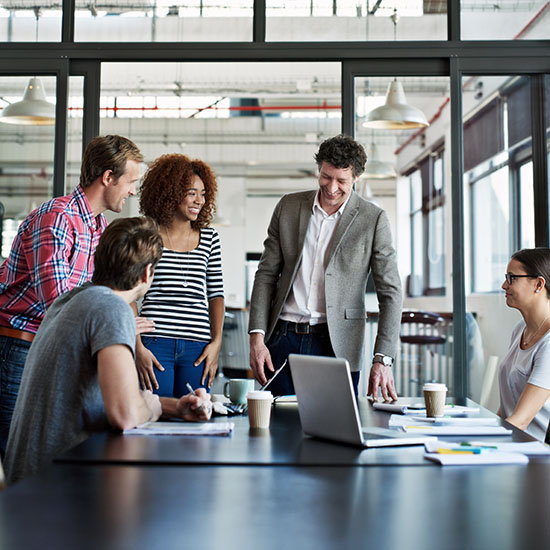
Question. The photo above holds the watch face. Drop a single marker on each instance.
(387, 361)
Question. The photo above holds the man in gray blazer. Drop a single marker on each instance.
(309, 289)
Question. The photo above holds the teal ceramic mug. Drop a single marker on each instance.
(237, 389)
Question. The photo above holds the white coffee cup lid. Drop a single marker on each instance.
(259, 395)
(432, 386)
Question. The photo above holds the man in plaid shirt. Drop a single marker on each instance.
(53, 253)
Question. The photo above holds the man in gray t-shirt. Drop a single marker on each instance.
(80, 374)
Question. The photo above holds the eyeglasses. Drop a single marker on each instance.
(510, 277)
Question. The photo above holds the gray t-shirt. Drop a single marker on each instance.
(60, 403)
(521, 367)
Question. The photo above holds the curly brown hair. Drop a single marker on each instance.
(164, 186)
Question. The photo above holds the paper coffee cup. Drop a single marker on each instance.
(434, 397)
(259, 408)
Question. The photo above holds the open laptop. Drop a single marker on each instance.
(328, 408)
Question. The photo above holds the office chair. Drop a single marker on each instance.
(489, 387)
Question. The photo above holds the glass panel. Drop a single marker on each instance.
(164, 21)
(491, 223)
(497, 153)
(26, 159)
(257, 124)
(22, 21)
(413, 197)
(340, 20)
(504, 19)
(74, 131)
(436, 251)
(526, 197)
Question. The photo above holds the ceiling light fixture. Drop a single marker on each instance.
(395, 114)
(376, 168)
(33, 109)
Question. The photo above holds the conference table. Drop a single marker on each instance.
(272, 489)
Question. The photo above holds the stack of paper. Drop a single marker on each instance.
(448, 425)
(181, 428)
(419, 409)
(467, 453)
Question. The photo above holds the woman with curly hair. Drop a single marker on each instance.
(185, 300)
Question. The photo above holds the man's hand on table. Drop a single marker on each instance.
(381, 377)
(195, 408)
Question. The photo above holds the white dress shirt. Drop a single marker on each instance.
(306, 301)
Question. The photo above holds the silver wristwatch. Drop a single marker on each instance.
(386, 360)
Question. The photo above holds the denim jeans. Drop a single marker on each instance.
(283, 342)
(13, 353)
(177, 356)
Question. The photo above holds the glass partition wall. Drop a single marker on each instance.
(253, 87)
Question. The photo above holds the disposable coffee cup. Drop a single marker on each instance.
(259, 408)
(434, 397)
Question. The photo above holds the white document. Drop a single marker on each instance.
(482, 458)
(390, 407)
(529, 448)
(397, 420)
(450, 410)
(456, 430)
(455, 421)
(182, 428)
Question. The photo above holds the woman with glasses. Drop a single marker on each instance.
(524, 373)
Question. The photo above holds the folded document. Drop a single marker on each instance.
(182, 428)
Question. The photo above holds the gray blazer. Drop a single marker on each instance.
(362, 243)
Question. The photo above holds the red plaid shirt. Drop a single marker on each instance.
(52, 253)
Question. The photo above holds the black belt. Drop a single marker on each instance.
(305, 328)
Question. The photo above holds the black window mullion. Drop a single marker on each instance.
(67, 24)
(540, 161)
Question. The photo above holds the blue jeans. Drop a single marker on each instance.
(177, 356)
(13, 353)
(283, 342)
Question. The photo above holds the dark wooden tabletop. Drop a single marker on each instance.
(107, 507)
(283, 444)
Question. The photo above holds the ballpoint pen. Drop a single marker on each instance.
(192, 391)
(466, 444)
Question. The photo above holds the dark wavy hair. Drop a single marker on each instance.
(536, 262)
(342, 152)
(164, 186)
(125, 249)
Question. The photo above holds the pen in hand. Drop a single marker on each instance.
(192, 391)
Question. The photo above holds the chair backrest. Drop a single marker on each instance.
(489, 397)
(419, 335)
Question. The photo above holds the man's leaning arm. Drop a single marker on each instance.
(125, 405)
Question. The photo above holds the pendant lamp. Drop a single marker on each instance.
(33, 109)
(376, 168)
(395, 114)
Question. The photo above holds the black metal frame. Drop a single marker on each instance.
(452, 58)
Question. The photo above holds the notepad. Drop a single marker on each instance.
(182, 428)
(457, 430)
(472, 459)
(419, 410)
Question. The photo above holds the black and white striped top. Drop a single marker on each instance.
(183, 284)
